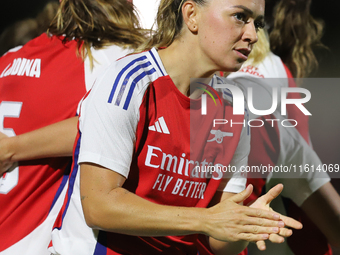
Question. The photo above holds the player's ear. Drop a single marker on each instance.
(190, 12)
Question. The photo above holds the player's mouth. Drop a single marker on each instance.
(243, 53)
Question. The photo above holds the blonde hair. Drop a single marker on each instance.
(294, 35)
(97, 23)
(169, 24)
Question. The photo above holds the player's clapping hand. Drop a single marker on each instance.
(5, 164)
(263, 202)
(229, 221)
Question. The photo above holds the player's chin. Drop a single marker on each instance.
(235, 67)
(231, 64)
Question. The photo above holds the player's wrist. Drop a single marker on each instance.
(190, 220)
(205, 225)
(199, 220)
(7, 147)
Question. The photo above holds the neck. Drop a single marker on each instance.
(182, 63)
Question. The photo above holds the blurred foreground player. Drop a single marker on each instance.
(42, 83)
(309, 196)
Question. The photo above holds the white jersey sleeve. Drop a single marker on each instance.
(110, 114)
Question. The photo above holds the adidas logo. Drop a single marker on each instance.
(160, 126)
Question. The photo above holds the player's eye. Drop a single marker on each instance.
(241, 16)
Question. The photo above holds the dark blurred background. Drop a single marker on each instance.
(328, 10)
(325, 103)
(15, 10)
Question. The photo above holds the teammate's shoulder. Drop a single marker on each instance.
(40, 41)
(273, 56)
(274, 65)
(21, 47)
(15, 49)
(37, 42)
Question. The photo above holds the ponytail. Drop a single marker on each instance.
(97, 23)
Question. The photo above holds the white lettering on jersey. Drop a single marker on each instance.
(9, 110)
(35, 70)
(149, 155)
(156, 158)
(20, 67)
(170, 162)
(194, 190)
(151, 158)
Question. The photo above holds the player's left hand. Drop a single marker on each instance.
(263, 202)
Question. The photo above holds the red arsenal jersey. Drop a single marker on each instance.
(40, 83)
(137, 123)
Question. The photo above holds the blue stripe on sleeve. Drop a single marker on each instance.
(126, 80)
(120, 75)
(133, 85)
(73, 175)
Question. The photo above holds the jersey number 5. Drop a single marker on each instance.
(9, 110)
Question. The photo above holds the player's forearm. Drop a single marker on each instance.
(51, 141)
(123, 212)
(108, 206)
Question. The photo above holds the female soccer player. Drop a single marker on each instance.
(309, 196)
(42, 83)
(133, 181)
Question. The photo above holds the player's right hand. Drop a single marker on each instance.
(263, 202)
(229, 221)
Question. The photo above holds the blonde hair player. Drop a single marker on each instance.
(132, 190)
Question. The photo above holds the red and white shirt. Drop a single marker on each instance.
(41, 83)
(137, 123)
(283, 146)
